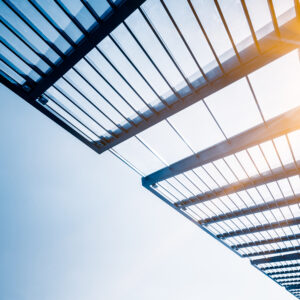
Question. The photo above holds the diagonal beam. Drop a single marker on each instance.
(268, 241)
(273, 128)
(280, 267)
(293, 287)
(283, 272)
(275, 251)
(252, 210)
(125, 9)
(275, 225)
(286, 277)
(264, 178)
(274, 259)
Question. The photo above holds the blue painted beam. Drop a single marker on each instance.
(273, 128)
(280, 258)
(259, 228)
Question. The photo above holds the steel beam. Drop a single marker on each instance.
(275, 251)
(280, 267)
(273, 128)
(268, 241)
(272, 48)
(264, 178)
(293, 287)
(287, 277)
(283, 272)
(94, 37)
(274, 259)
(259, 228)
(253, 209)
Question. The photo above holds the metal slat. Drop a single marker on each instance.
(253, 209)
(274, 259)
(259, 228)
(273, 128)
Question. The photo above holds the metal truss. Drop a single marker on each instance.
(280, 41)
(228, 212)
(261, 240)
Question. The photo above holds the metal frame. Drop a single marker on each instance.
(278, 126)
(281, 41)
(262, 52)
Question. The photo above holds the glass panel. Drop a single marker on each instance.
(94, 97)
(103, 87)
(281, 10)
(192, 33)
(165, 28)
(61, 112)
(112, 76)
(208, 181)
(26, 33)
(258, 159)
(11, 73)
(127, 70)
(270, 154)
(163, 140)
(85, 105)
(102, 7)
(77, 9)
(55, 13)
(213, 172)
(13, 42)
(137, 154)
(276, 85)
(283, 150)
(197, 181)
(212, 23)
(234, 102)
(224, 169)
(42, 25)
(260, 16)
(129, 45)
(294, 138)
(235, 167)
(54, 93)
(197, 126)
(18, 63)
(147, 38)
(237, 23)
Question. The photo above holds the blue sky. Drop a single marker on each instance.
(76, 225)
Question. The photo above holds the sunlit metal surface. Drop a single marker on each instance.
(200, 98)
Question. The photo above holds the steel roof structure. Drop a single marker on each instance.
(201, 98)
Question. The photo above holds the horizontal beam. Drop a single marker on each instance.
(275, 127)
(275, 259)
(293, 287)
(264, 178)
(272, 48)
(280, 267)
(286, 277)
(268, 241)
(283, 272)
(253, 209)
(289, 282)
(275, 225)
(275, 251)
(97, 34)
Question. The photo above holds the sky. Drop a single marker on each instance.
(77, 225)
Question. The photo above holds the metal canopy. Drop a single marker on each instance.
(67, 73)
(208, 109)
